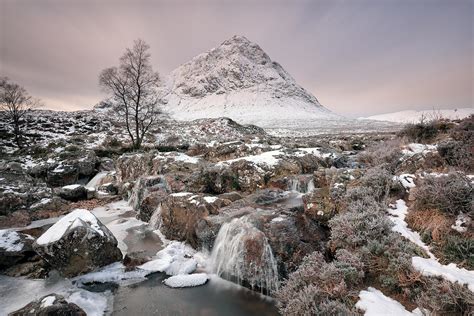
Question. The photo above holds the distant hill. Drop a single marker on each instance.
(412, 116)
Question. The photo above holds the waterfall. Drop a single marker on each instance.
(310, 186)
(155, 219)
(241, 253)
(301, 184)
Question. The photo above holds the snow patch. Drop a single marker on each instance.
(189, 280)
(450, 272)
(375, 303)
(47, 301)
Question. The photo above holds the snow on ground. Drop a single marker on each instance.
(375, 303)
(416, 148)
(189, 280)
(73, 219)
(398, 215)
(10, 241)
(272, 158)
(462, 223)
(450, 272)
(406, 179)
(413, 116)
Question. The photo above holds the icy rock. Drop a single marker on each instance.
(51, 304)
(14, 247)
(78, 243)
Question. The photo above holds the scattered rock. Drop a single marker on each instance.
(51, 304)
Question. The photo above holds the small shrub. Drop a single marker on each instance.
(384, 152)
(459, 250)
(451, 194)
(422, 132)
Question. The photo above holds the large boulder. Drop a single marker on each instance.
(49, 305)
(181, 212)
(78, 243)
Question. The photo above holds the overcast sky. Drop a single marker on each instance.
(358, 57)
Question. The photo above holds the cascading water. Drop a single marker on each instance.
(301, 184)
(156, 219)
(241, 253)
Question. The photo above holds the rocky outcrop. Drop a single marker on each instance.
(77, 243)
(51, 304)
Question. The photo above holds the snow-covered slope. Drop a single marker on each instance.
(413, 116)
(239, 80)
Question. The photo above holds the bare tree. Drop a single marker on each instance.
(15, 102)
(134, 89)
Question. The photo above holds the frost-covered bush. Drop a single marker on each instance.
(451, 194)
(379, 179)
(445, 298)
(363, 223)
(384, 152)
(322, 288)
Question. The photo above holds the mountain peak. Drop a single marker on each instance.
(238, 79)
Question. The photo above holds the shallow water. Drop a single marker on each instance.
(217, 297)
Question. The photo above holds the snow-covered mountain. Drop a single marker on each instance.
(413, 116)
(239, 80)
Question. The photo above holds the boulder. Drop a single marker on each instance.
(181, 212)
(73, 192)
(78, 243)
(61, 175)
(51, 304)
(15, 247)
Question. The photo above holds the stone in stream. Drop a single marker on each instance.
(78, 243)
(51, 304)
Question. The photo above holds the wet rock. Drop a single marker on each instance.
(73, 192)
(181, 212)
(148, 192)
(106, 164)
(51, 304)
(14, 248)
(134, 259)
(77, 243)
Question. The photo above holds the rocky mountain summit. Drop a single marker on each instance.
(239, 80)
